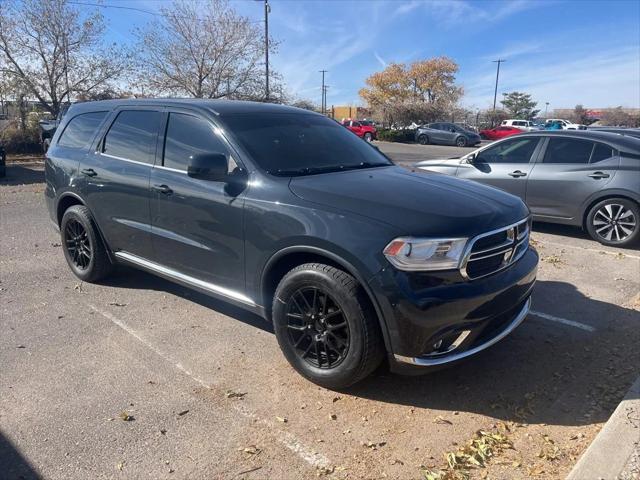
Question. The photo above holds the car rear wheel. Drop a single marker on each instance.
(82, 245)
(368, 137)
(325, 326)
(423, 140)
(461, 142)
(615, 222)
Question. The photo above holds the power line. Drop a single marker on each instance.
(156, 14)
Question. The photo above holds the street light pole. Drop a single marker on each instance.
(323, 102)
(495, 92)
(546, 106)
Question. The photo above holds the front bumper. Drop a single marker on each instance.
(438, 318)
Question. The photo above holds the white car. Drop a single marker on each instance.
(524, 125)
(566, 124)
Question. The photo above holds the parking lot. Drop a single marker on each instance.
(140, 378)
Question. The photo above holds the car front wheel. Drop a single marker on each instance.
(423, 140)
(325, 326)
(614, 222)
(461, 142)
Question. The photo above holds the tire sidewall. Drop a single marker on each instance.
(73, 213)
(423, 140)
(368, 137)
(349, 304)
(461, 142)
(623, 201)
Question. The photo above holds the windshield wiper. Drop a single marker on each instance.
(325, 169)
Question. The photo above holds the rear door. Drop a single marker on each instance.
(568, 172)
(196, 224)
(505, 165)
(116, 178)
(438, 135)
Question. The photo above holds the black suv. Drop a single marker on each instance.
(288, 214)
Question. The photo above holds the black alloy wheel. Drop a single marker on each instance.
(317, 328)
(461, 142)
(78, 244)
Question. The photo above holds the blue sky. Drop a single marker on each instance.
(563, 52)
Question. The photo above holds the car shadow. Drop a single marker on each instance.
(125, 277)
(545, 372)
(23, 175)
(13, 465)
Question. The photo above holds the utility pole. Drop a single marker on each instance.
(495, 93)
(546, 106)
(323, 102)
(267, 9)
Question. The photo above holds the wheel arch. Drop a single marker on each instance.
(288, 258)
(604, 196)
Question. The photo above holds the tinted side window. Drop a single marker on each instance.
(80, 130)
(568, 150)
(188, 135)
(512, 151)
(133, 135)
(601, 152)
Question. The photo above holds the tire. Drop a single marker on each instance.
(83, 248)
(368, 137)
(461, 142)
(614, 222)
(318, 307)
(423, 140)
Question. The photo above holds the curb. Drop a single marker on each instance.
(613, 448)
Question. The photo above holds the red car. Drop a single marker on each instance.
(364, 130)
(499, 132)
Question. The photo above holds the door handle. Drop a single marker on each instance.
(598, 175)
(89, 172)
(517, 174)
(164, 189)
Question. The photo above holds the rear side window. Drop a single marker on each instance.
(188, 135)
(80, 130)
(132, 136)
(568, 150)
(601, 152)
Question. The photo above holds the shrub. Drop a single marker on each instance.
(17, 140)
(396, 135)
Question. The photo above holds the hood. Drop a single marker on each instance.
(443, 162)
(415, 202)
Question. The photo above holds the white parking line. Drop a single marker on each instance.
(308, 454)
(564, 321)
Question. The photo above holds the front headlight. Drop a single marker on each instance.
(423, 254)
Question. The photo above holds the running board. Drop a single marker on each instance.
(181, 277)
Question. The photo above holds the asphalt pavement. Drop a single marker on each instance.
(140, 378)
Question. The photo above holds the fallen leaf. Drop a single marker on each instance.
(184, 412)
(126, 417)
(252, 450)
(116, 304)
(333, 416)
(442, 421)
(232, 394)
(282, 419)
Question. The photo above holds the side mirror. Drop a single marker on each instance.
(208, 166)
(471, 158)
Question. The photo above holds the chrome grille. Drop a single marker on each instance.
(493, 251)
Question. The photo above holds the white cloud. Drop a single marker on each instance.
(381, 60)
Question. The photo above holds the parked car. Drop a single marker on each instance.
(364, 130)
(499, 132)
(565, 124)
(48, 127)
(524, 125)
(445, 133)
(587, 179)
(284, 213)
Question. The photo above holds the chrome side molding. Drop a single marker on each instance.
(181, 277)
(429, 362)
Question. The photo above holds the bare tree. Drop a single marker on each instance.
(56, 52)
(203, 50)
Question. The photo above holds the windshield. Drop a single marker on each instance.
(301, 144)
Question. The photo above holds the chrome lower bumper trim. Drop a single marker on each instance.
(430, 362)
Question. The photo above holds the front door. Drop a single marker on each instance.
(505, 165)
(571, 171)
(116, 178)
(197, 225)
